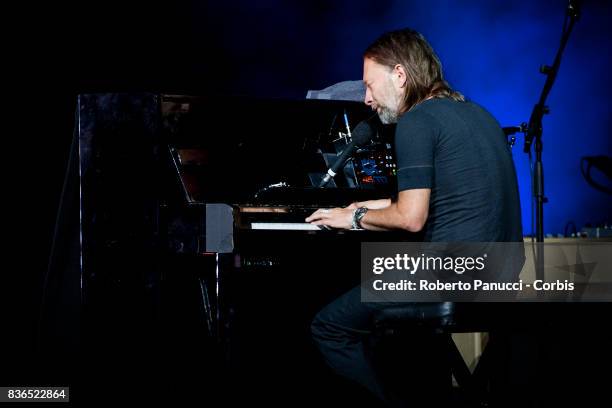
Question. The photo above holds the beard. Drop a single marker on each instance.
(387, 115)
(389, 108)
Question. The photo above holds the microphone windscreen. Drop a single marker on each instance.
(363, 133)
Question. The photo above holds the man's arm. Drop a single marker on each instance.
(371, 204)
(409, 213)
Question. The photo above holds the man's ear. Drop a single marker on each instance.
(399, 75)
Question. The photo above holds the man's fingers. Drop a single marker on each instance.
(319, 215)
(314, 217)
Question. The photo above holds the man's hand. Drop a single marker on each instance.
(341, 218)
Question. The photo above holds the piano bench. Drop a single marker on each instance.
(414, 344)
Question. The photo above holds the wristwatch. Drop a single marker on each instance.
(357, 216)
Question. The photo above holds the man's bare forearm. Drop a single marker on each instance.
(382, 219)
(408, 213)
(373, 204)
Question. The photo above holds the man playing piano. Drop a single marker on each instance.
(456, 182)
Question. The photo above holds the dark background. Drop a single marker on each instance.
(491, 52)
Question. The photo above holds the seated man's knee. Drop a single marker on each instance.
(318, 328)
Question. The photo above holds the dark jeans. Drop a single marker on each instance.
(341, 330)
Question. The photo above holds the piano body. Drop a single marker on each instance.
(187, 197)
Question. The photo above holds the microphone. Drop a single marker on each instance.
(362, 134)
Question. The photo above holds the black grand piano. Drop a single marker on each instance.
(192, 223)
(228, 179)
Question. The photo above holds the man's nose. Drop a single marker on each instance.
(368, 98)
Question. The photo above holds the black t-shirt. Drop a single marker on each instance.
(459, 151)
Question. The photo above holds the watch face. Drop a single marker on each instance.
(359, 215)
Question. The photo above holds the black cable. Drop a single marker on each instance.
(573, 225)
(586, 173)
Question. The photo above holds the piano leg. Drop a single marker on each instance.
(217, 309)
(206, 306)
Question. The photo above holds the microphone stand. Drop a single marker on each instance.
(534, 130)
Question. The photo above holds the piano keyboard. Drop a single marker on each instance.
(278, 218)
(285, 226)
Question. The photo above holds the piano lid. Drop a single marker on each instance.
(245, 150)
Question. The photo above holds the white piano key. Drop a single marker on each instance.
(293, 226)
